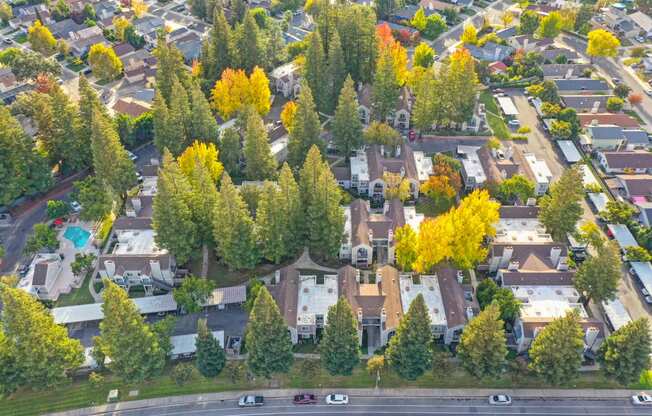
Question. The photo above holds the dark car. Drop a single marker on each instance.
(305, 399)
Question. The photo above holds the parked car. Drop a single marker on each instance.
(305, 398)
(75, 206)
(132, 155)
(139, 177)
(648, 300)
(7, 41)
(251, 401)
(514, 123)
(616, 80)
(642, 399)
(648, 91)
(500, 400)
(640, 39)
(337, 399)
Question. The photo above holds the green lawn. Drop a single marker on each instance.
(430, 208)
(496, 122)
(22, 38)
(75, 67)
(81, 394)
(79, 296)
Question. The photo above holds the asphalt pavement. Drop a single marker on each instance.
(372, 405)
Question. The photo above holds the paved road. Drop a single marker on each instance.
(397, 406)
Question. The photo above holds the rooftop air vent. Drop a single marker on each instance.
(305, 308)
(305, 290)
(435, 311)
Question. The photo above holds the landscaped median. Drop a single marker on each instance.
(304, 375)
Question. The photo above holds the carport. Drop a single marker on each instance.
(507, 106)
(643, 271)
(569, 150)
(623, 236)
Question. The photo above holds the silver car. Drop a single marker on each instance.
(500, 400)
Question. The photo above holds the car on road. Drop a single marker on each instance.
(640, 39)
(642, 399)
(7, 41)
(648, 300)
(305, 398)
(500, 400)
(132, 155)
(75, 206)
(139, 177)
(514, 123)
(337, 399)
(648, 91)
(251, 401)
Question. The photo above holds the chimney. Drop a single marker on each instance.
(507, 255)
(497, 53)
(390, 236)
(590, 336)
(371, 236)
(137, 205)
(357, 275)
(555, 252)
(563, 264)
(109, 265)
(398, 150)
(531, 202)
(402, 172)
(513, 266)
(360, 315)
(277, 277)
(383, 316)
(569, 73)
(379, 277)
(509, 153)
(525, 43)
(382, 150)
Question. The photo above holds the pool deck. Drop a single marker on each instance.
(67, 281)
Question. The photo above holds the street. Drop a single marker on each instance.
(396, 406)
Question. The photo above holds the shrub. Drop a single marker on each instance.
(524, 130)
(183, 373)
(96, 380)
(614, 104)
(517, 138)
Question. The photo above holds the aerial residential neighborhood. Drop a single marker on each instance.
(230, 207)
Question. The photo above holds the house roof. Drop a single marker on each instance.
(584, 103)
(359, 218)
(129, 106)
(605, 132)
(379, 224)
(490, 51)
(637, 185)
(497, 66)
(132, 223)
(552, 53)
(636, 136)
(622, 120)
(64, 28)
(135, 262)
(531, 257)
(581, 84)
(642, 20)
(549, 278)
(633, 160)
(522, 211)
(507, 33)
(123, 48)
(453, 298)
(378, 164)
(562, 70)
(530, 326)
(40, 273)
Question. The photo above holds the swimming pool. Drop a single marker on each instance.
(77, 235)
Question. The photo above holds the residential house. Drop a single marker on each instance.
(577, 86)
(190, 46)
(10, 87)
(603, 137)
(636, 139)
(24, 16)
(148, 27)
(528, 43)
(538, 171)
(490, 52)
(625, 162)
(499, 164)
(564, 71)
(81, 41)
(65, 28)
(369, 166)
(636, 186)
(497, 67)
(645, 212)
(286, 80)
(106, 10)
(131, 106)
(41, 278)
(616, 119)
(507, 33)
(643, 22)
(473, 173)
(586, 103)
(399, 117)
(430, 6)
(553, 54)
(369, 234)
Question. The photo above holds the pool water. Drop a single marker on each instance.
(77, 235)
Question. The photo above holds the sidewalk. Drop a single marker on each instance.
(402, 393)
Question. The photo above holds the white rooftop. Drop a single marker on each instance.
(185, 344)
(149, 186)
(279, 145)
(136, 242)
(423, 164)
(588, 178)
(315, 297)
(347, 224)
(539, 168)
(507, 105)
(521, 230)
(283, 70)
(599, 200)
(359, 167)
(622, 235)
(428, 287)
(644, 272)
(547, 302)
(25, 283)
(412, 217)
(616, 312)
(227, 295)
(569, 150)
(471, 163)
(93, 311)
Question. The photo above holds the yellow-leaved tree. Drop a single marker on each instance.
(41, 39)
(287, 114)
(203, 153)
(104, 63)
(469, 35)
(433, 242)
(139, 8)
(234, 91)
(120, 24)
(602, 44)
(405, 247)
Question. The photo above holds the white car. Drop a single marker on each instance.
(642, 399)
(500, 400)
(337, 399)
(648, 92)
(75, 206)
(514, 123)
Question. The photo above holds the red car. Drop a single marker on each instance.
(412, 135)
(305, 399)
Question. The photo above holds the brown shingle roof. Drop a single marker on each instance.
(378, 164)
(286, 293)
(359, 219)
(131, 223)
(530, 325)
(509, 212)
(452, 295)
(637, 185)
(549, 278)
(633, 160)
(622, 120)
(531, 257)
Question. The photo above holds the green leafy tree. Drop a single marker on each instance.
(83, 263)
(104, 62)
(597, 278)
(550, 25)
(435, 26)
(27, 65)
(625, 354)
(385, 90)
(622, 91)
(172, 217)
(234, 229)
(529, 22)
(347, 127)
(217, 52)
(381, 133)
(405, 247)
(560, 209)
(518, 186)
(167, 135)
(249, 44)
(482, 345)
(94, 198)
(638, 253)
(510, 307)
(615, 104)
(211, 358)
(340, 346)
(34, 350)
(556, 352)
(193, 293)
(305, 129)
(315, 70)
(268, 341)
(57, 208)
(424, 55)
(203, 125)
(132, 345)
(89, 103)
(42, 237)
(409, 351)
(618, 212)
(260, 164)
(6, 13)
(230, 152)
(336, 71)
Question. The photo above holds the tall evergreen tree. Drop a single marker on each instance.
(271, 223)
(336, 72)
(260, 164)
(356, 26)
(276, 52)
(597, 278)
(249, 44)
(234, 228)
(315, 71)
(626, 352)
(556, 352)
(239, 11)
(169, 67)
(305, 128)
(482, 345)
(210, 354)
(347, 127)
(202, 204)
(179, 112)
(268, 341)
(203, 125)
(110, 159)
(166, 134)
(217, 52)
(34, 350)
(172, 217)
(409, 351)
(64, 143)
(290, 207)
(133, 347)
(230, 151)
(560, 208)
(385, 90)
(340, 345)
(88, 103)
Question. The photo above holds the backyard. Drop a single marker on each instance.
(495, 120)
(79, 296)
